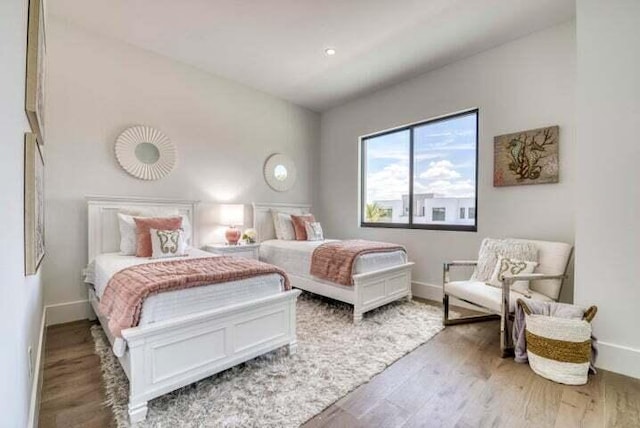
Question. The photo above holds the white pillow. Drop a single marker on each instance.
(167, 243)
(283, 225)
(128, 238)
(127, 226)
(510, 267)
(314, 231)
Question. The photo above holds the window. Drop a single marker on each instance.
(472, 213)
(438, 214)
(412, 175)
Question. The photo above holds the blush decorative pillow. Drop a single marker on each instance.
(127, 226)
(510, 267)
(299, 225)
(283, 226)
(167, 243)
(314, 231)
(143, 227)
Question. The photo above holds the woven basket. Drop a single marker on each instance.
(559, 349)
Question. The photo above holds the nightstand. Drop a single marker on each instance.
(249, 251)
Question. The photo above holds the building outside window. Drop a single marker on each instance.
(413, 175)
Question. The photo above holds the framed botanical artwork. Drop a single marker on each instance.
(34, 246)
(527, 157)
(36, 60)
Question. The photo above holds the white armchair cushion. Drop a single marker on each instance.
(510, 267)
(488, 297)
(553, 258)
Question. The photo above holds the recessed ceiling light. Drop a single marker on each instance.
(330, 51)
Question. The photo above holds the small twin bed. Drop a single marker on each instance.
(174, 335)
(185, 334)
(377, 278)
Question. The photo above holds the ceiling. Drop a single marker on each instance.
(277, 46)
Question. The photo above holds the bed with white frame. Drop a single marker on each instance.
(167, 355)
(370, 290)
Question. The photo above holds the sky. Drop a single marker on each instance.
(444, 159)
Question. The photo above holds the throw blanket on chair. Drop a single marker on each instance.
(126, 291)
(334, 261)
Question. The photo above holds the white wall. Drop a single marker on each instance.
(20, 296)
(223, 132)
(524, 84)
(608, 114)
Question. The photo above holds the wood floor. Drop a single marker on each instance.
(456, 379)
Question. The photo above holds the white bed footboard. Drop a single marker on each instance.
(369, 291)
(374, 289)
(164, 356)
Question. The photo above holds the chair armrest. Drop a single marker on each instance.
(507, 281)
(447, 265)
(510, 279)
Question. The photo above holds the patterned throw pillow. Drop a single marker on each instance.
(167, 243)
(510, 267)
(314, 231)
(299, 222)
(491, 249)
(145, 224)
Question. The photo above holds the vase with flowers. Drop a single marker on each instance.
(249, 236)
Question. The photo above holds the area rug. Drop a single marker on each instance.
(277, 390)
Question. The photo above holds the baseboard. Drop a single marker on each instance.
(36, 383)
(67, 312)
(619, 359)
(426, 291)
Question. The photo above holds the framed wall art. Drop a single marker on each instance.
(36, 60)
(527, 157)
(34, 245)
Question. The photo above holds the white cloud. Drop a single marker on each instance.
(456, 189)
(389, 183)
(441, 170)
(440, 178)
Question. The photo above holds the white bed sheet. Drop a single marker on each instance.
(176, 303)
(295, 257)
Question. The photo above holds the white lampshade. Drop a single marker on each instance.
(232, 214)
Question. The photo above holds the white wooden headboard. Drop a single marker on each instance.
(263, 220)
(104, 232)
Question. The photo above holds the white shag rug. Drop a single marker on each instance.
(334, 357)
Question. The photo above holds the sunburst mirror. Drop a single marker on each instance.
(145, 152)
(280, 172)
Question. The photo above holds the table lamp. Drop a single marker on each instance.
(232, 215)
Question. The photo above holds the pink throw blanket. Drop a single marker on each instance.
(334, 261)
(126, 291)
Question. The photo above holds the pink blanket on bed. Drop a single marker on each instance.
(126, 291)
(334, 261)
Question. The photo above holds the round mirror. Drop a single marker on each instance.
(145, 153)
(280, 172)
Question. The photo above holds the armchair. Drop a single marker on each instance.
(499, 303)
